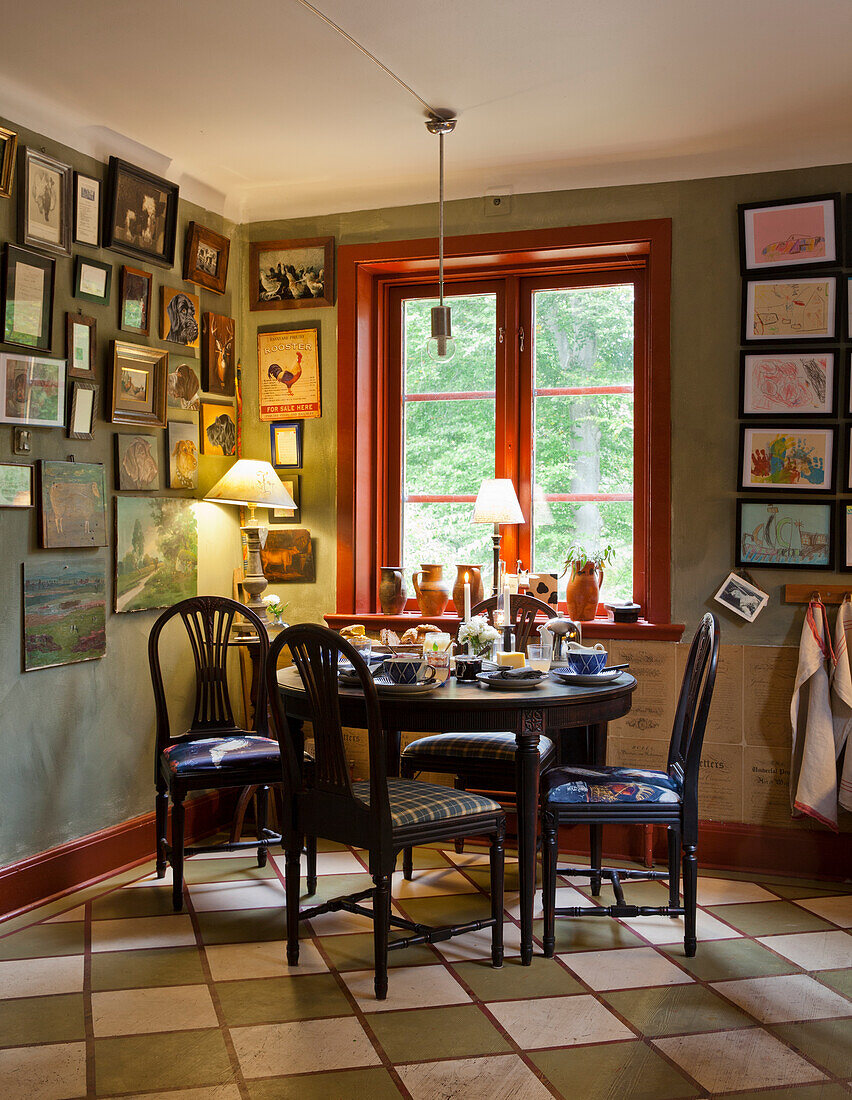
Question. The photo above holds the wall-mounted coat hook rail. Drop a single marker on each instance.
(804, 593)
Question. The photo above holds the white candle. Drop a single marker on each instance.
(507, 603)
(466, 598)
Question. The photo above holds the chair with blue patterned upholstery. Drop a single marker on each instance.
(214, 752)
(381, 815)
(616, 795)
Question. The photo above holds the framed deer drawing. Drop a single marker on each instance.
(217, 354)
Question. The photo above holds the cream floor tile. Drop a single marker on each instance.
(503, 1077)
(304, 1046)
(728, 1060)
(77, 913)
(209, 897)
(813, 950)
(35, 977)
(330, 863)
(163, 1008)
(784, 997)
(725, 891)
(559, 1021)
(214, 1092)
(408, 987)
(624, 968)
(670, 930)
(337, 924)
(838, 910)
(566, 896)
(232, 961)
(132, 933)
(431, 883)
(55, 1072)
(477, 945)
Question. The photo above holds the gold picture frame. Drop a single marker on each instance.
(8, 149)
(138, 391)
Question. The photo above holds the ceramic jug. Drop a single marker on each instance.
(392, 590)
(474, 579)
(433, 592)
(583, 591)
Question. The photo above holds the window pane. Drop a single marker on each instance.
(560, 524)
(473, 367)
(584, 337)
(443, 533)
(584, 444)
(449, 445)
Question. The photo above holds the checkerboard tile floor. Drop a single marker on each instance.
(107, 993)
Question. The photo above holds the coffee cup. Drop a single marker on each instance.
(409, 670)
(586, 660)
(468, 668)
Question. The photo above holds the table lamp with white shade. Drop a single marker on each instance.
(256, 484)
(497, 502)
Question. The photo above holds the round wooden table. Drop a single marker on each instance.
(554, 710)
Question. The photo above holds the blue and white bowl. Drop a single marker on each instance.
(408, 670)
(587, 664)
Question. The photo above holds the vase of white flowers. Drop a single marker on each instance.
(275, 608)
(479, 635)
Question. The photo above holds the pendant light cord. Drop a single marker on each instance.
(441, 220)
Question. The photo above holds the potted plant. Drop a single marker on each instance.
(583, 590)
(276, 607)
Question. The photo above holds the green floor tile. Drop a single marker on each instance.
(355, 952)
(225, 870)
(42, 940)
(275, 1000)
(643, 892)
(351, 1084)
(457, 1031)
(482, 877)
(135, 901)
(826, 1042)
(335, 886)
(766, 918)
(716, 960)
(589, 934)
(146, 969)
(28, 1020)
(542, 978)
(841, 980)
(446, 908)
(242, 925)
(426, 858)
(676, 1010)
(613, 1071)
(146, 1063)
(793, 892)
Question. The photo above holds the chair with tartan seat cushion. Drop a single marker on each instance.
(599, 795)
(481, 761)
(381, 815)
(214, 752)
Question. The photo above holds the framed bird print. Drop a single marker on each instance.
(289, 374)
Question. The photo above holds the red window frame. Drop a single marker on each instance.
(370, 279)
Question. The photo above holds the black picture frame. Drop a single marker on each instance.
(792, 353)
(745, 208)
(766, 537)
(128, 200)
(32, 193)
(844, 545)
(12, 256)
(799, 341)
(79, 387)
(81, 262)
(296, 427)
(293, 484)
(787, 487)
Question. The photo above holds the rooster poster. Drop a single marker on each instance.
(289, 374)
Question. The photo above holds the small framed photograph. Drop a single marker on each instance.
(183, 454)
(844, 522)
(92, 281)
(16, 485)
(805, 309)
(138, 385)
(288, 366)
(180, 317)
(292, 483)
(774, 384)
(141, 214)
(793, 458)
(87, 210)
(72, 504)
(134, 308)
(785, 534)
(790, 233)
(205, 258)
(744, 599)
(137, 462)
(8, 149)
(285, 440)
(183, 387)
(44, 202)
(28, 281)
(80, 342)
(84, 402)
(291, 274)
(32, 390)
(217, 354)
(218, 429)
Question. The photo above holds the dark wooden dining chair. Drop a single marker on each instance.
(214, 752)
(481, 761)
(381, 815)
(614, 795)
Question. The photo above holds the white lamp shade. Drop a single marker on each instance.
(497, 502)
(251, 482)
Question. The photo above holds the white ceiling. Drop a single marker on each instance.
(260, 110)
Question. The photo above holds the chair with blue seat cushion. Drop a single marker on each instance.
(214, 752)
(599, 795)
(381, 815)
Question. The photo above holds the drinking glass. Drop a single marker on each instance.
(539, 657)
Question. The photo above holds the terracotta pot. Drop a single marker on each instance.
(433, 592)
(583, 592)
(392, 590)
(477, 592)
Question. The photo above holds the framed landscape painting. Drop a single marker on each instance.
(72, 502)
(141, 213)
(32, 390)
(789, 233)
(64, 613)
(788, 383)
(156, 552)
(291, 274)
(785, 534)
(16, 485)
(790, 309)
(796, 457)
(137, 463)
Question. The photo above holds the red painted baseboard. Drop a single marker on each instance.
(46, 875)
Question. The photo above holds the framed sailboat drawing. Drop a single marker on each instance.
(785, 533)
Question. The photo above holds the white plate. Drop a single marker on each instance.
(507, 683)
(589, 679)
(386, 686)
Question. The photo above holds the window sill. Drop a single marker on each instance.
(595, 628)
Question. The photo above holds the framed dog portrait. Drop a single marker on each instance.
(217, 354)
(141, 214)
(138, 394)
(44, 202)
(180, 317)
(80, 343)
(134, 310)
(205, 258)
(183, 386)
(137, 462)
(183, 454)
(289, 374)
(218, 429)
(28, 281)
(291, 274)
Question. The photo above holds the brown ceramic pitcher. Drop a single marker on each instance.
(474, 578)
(433, 592)
(392, 590)
(583, 591)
